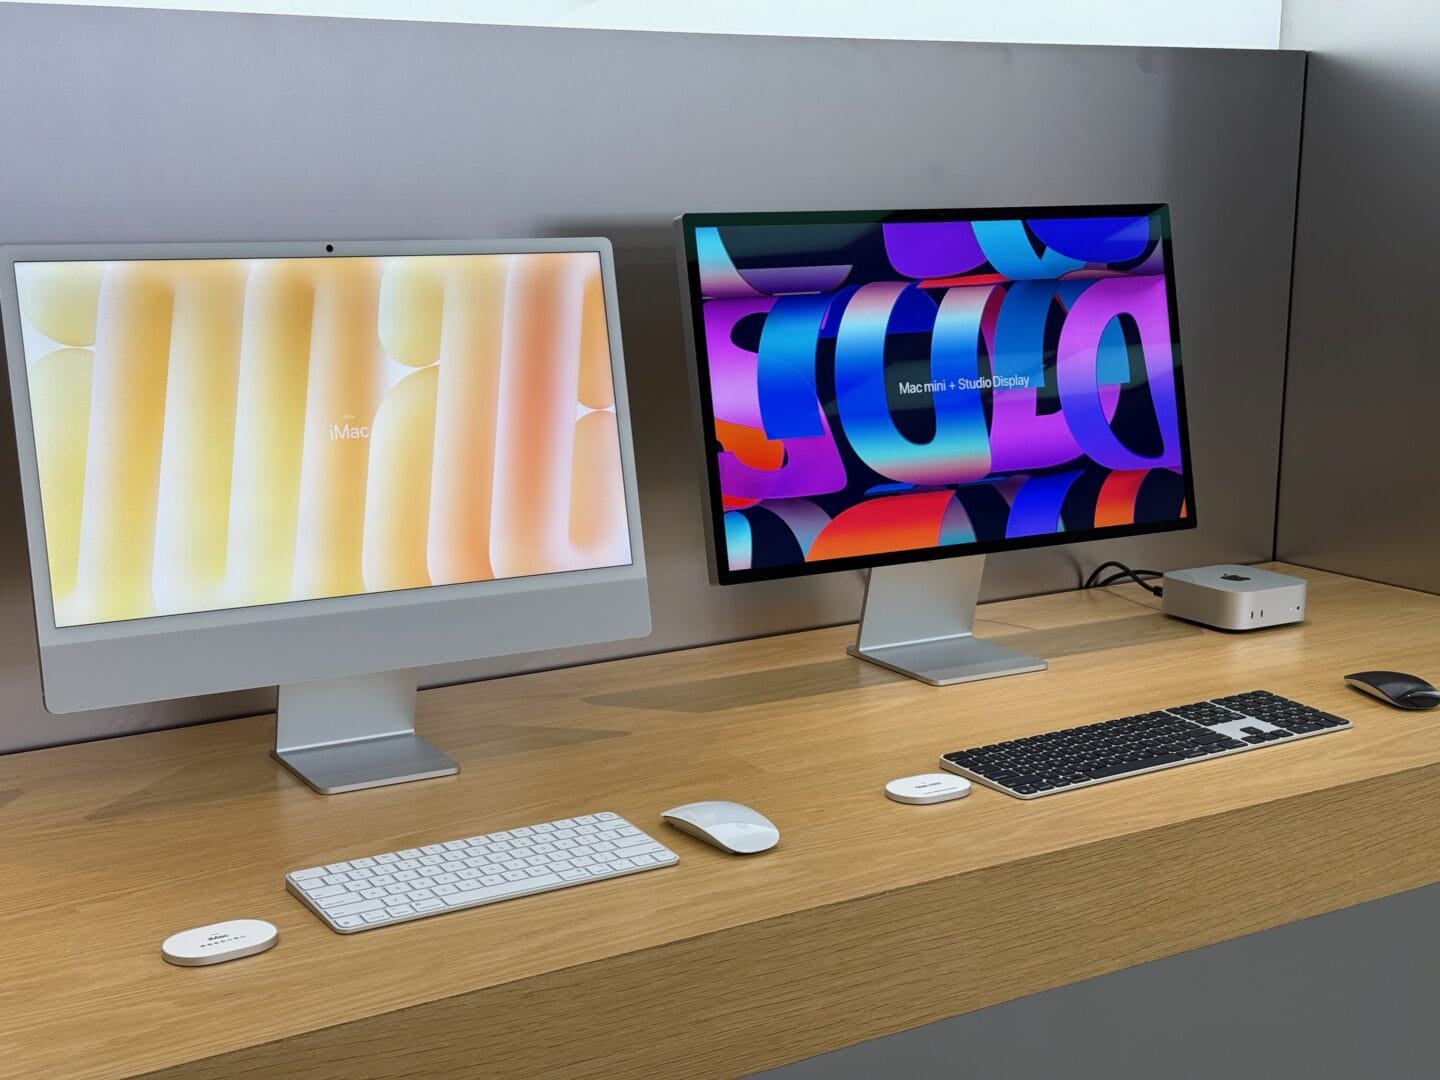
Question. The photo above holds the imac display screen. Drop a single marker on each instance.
(216, 434)
(887, 387)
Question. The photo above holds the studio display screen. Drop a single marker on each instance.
(881, 388)
(216, 434)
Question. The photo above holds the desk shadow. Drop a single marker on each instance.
(844, 673)
(219, 781)
(752, 688)
(206, 782)
(492, 740)
(9, 795)
(1093, 637)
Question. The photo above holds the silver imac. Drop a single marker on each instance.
(319, 466)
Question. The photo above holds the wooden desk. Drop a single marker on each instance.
(722, 965)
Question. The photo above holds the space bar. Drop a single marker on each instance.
(500, 892)
(1133, 766)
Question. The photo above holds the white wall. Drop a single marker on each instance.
(1239, 24)
(1375, 31)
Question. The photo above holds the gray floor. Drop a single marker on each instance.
(1352, 994)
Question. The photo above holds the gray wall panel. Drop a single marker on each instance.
(143, 125)
(1361, 464)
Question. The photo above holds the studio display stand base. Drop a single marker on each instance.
(348, 734)
(919, 620)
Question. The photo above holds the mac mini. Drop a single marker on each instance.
(1234, 597)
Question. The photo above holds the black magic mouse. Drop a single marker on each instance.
(1396, 688)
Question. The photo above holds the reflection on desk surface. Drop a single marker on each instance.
(749, 688)
(1098, 636)
(797, 681)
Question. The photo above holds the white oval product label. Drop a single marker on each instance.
(928, 788)
(218, 942)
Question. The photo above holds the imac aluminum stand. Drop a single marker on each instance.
(919, 620)
(347, 734)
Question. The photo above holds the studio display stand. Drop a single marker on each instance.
(919, 620)
(347, 734)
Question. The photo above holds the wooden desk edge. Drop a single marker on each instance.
(846, 972)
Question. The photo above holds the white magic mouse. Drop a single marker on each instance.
(729, 826)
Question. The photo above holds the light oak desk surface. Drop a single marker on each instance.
(721, 965)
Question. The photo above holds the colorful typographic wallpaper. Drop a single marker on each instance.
(878, 388)
(219, 434)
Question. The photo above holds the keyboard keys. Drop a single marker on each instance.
(381, 889)
(355, 909)
(501, 891)
(1134, 766)
(1076, 756)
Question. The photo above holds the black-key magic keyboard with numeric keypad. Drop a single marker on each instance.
(1083, 756)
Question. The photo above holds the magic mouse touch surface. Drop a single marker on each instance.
(1396, 688)
(729, 826)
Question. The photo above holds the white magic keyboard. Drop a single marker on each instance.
(410, 884)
